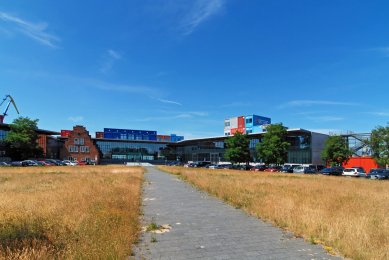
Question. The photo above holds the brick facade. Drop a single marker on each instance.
(80, 146)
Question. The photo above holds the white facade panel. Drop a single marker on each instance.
(234, 122)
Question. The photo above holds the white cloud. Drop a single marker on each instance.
(115, 55)
(109, 59)
(76, 119)
(35, 31)
(201, 11)
(307, 103)
(170, 102)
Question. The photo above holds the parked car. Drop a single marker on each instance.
(174, 163)
(303, 170)
(332, 171)
(316, 167)
(354, 172)
(4, 164)
(287, 168)
(69, 163)
(16, 163)
(82, 163)
(378, 174)
(44, 163)
(201, 164)
(259, 168)
(246, 167)
(273, 169)
(359, 167)
(39, 163)
(214, 166)
(53, 162)
(226, 166)
(29, 163)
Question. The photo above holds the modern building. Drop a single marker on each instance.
(246, 124)
(305, 148)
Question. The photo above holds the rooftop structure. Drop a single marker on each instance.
(246, 124)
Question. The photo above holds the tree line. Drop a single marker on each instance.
(21, 143)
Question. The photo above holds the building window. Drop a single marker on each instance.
(3, 134)
(76, 141)
(227, 124)
(81, 141)
(84, 149)
(73, 149)
(249, 120)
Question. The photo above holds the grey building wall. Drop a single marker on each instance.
(318, 141)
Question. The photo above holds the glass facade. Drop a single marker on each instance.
(300, 150)
(131, 151)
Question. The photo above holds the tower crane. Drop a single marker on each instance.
(10, 100)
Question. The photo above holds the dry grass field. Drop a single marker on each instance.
(347, 215)
(88, 212)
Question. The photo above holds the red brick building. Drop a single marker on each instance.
(79, 146)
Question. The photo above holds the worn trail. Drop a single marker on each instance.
(199, 226)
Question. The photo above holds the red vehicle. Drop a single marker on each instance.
(273, 169)
(259, 168)
(43, 163)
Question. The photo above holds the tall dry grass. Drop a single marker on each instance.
(347, 215)
(89, 212)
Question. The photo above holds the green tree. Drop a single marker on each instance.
(22, 138)
(379, 143)
(238, 150)
(336, 151)
(274, 146)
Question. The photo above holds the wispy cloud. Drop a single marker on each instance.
(178, 115)
(201, 11)
(307, 103)
(383, 114)
(76, 119)
(124, 88)
(237, 104)
(383, 50)
(169, 102)
(109, 59)
(35, 31)
(325, 118)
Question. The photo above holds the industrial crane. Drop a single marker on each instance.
(10, 100)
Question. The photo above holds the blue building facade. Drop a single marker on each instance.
(255, 123)
(129, 134)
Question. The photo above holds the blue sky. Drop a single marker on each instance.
(184, 66)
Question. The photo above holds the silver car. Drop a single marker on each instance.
(303, 170)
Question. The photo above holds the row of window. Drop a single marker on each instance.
(79, 141)
(75, 149)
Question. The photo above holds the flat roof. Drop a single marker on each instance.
(39, 131)
(121, 140)
(222, 137)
